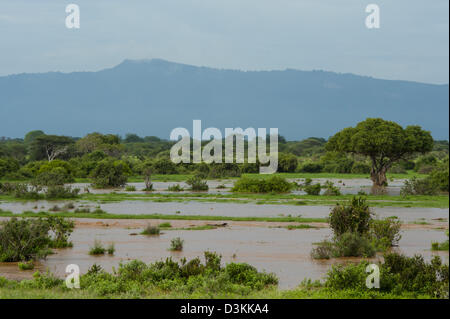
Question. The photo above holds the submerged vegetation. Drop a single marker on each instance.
(30, 239)
(356, 233)
(274, 184)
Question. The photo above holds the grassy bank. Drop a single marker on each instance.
(184, 177)
(438, 201)
(434, 201)
(298, 293)
(164, 217)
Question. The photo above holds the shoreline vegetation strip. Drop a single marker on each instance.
(434, 201)
(163, 217)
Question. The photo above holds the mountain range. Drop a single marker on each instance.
(152, 97)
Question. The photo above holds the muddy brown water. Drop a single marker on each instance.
(283, 252)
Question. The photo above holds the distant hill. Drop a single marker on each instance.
(152, 97)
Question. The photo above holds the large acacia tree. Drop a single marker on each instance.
(384, 142)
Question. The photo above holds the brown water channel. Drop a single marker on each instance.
(284, 252)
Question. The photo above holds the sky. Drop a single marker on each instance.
(411, 43)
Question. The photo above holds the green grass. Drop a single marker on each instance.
(27, 265)
(184, 177)
(302, 226)
(164, 217)
(342, 176)
(14, 291)
(435, 201)
(97, 249)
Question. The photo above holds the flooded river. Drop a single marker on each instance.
(284, 252)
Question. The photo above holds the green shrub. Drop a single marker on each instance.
(287, 163)
(313, 189)
(111, 249)
(175, 188)
(440, 246)
(151, 230)
(197, 183)
(398, 274)
(192, 277)
(354, 217)
(61, 229)
(353, 244)
(323, 250)
(28, 265)
(386, 231)
(331, 190)
(54, 177)
(97, 249)
(440, 177)
(176, 244)
(23, 239)
(61, 192)
(165, 225)
(273, 184)
(415, 186)
(110, 173)
(130, 188)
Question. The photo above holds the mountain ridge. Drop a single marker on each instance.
(153, 96)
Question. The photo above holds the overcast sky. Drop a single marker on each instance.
(412, 43)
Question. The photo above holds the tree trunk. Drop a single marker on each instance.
(378, 177)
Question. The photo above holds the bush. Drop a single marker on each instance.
(386, 231)
(97, 249)
(28, 265)
(191, 277)
(175, 188)
(151, 230)
(353, 244)
(398, 274)
(440, 177)
(23, 239)
(424, 186)
(440, 246)
(197, 183)
(356, 234)
(273, 184)
(110, 173)
(61, 192)
(313, 189)
(111, 249)
(354, 217)
(415, 275)
(56, 176)
(130, 188)
(287, 163)
(8, 166)
(324, 250)
(61, 229)
(176, 244)
(331, 190)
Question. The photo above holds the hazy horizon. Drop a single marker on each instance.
(217, 68)
(411, 44)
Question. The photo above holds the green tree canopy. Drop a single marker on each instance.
(384, 142)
